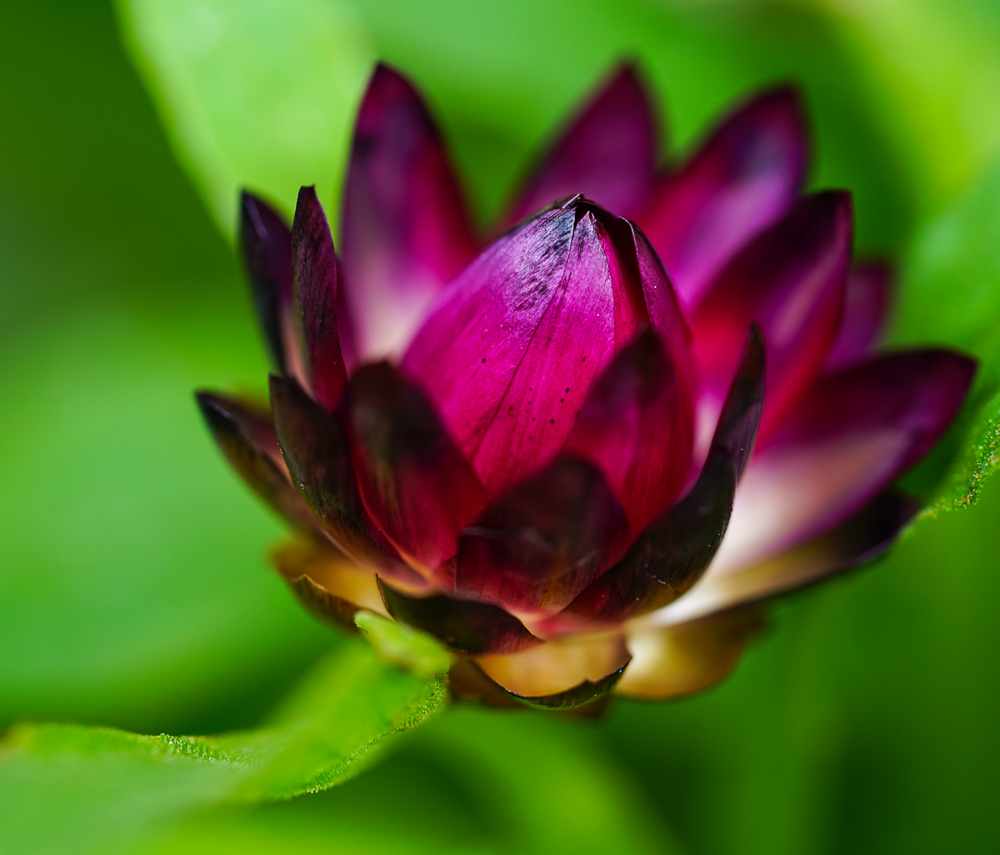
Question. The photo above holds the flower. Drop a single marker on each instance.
(530, 446)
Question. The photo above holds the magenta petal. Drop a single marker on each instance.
(266, 244)
(247, 439)
(853, 433)
(789, 280)
(742, 179)
(405, 228)
(512, 346)
(542, 543)
(464, 626)
(315, 264)
(637, 427)
(866, 308)
(608, 152)
(415, 482)
(318, 454)
(673, 552)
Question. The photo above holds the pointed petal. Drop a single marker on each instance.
(860, 539)
(560, 674)
(742, 180)
(416, 484)
(318, 454)
(607, 153)
(677, 661)
(637, 427)
(854, 433)
(405, 228)
(266, 245)
(512, 346)
(245, 435)
(464, 626)
(542, 543)
(332, 588)
(670, 555)
(866, 307)
(789, 280)
(315, 264)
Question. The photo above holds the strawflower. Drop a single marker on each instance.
(585, 449)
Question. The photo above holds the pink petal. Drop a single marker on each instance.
(464, 626)
(866, 307)
(416, 484)
(637, 427)
(854, 433)
(742, 179)
(315, 264)
(405, 228)
(266, 245)
(318, 454)
(607, 153)
(510, 349)
(672, 553)
(245, 435)
(789, 280)
(542, 543)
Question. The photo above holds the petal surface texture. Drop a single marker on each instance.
(790, 281)
(867, 301)
(607, 153)
(416, 484)
(854, 433)
(743, 179)
(542, 543)
(315, 265)
(318, 452)
(405, 228)
(671, 554)
(245, 434)
(511, 348)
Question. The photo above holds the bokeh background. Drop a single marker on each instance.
(134, 590)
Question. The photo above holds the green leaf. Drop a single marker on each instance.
(258, 93)
(951, 296)
(70, 787)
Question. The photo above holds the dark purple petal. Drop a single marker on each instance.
(742, 179)
(315, 264)
(789, 280)
(511, 348)
(678, 661)
(853, 433)
(266, 244)
(245, 435)
(607, 153)
(866, 307)
(856, 541)
(673, 552)
(542, 543)
(560, 674)
(318, 453)
(330, 587)
(637, 427)
(416, 484)
(405, 228)
(464, 626)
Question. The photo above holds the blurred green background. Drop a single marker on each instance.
(134, 590)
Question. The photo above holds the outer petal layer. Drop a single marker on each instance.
(853, 434)
(743, 179)
(608, 153)
(318, 453)
(247, 439)
(416, 484)
(866, 308)
(315, 264)
(542, 543)
(405, 228)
